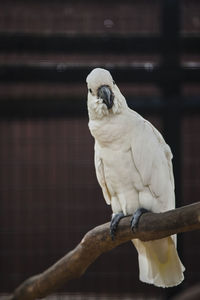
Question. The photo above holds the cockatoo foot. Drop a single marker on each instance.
(114, 223)
(136, 216)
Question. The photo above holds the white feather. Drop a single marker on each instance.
(134, 169)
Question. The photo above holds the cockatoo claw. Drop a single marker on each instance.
(114, 223)
(136, 216)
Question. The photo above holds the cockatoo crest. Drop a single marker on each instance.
(98, 80)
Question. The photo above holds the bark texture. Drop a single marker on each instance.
(97, 241)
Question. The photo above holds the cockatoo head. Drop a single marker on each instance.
(104, 97)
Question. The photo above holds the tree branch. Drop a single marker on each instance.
(97, 241)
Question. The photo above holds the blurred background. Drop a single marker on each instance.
(49, 195)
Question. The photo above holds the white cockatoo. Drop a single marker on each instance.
(134, 169)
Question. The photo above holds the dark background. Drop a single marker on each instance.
(49, 195)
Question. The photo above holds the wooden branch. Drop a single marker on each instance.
(97, 241)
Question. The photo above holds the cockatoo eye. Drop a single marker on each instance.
(90, 91)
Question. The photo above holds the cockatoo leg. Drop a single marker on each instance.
(114, 223)
(136, 216)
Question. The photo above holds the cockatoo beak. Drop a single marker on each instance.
(105, 93)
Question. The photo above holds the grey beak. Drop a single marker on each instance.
(105, 93)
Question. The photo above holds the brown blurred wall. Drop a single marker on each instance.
(49, 194)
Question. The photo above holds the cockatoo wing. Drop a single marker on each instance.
(152, 158)
(159, 263)
(100, 174)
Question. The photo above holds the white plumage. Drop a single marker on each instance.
(134, 169)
